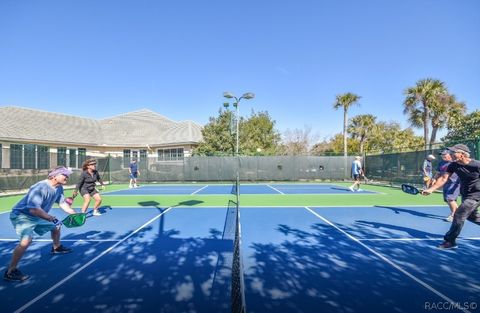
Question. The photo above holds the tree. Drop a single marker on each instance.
(218, 135)
(461, 128)
(257, 133)
(444, 108)
(389, 137)
(345, 101)
(361, 127)
(296, 142)
(420, 101)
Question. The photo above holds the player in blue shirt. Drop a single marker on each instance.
(31, 216)
(451, 189)
(133, 173)
(357, 173)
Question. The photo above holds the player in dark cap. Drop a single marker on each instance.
(468, 171)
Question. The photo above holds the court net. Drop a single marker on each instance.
(233, 230)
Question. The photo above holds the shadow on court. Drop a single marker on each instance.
(412, 212)
(322, 270)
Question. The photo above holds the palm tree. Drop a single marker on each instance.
(420, 101)
(444, 108)
(345, 101)
(362, 127)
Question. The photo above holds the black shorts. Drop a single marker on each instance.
(88, 191)
(357, 176)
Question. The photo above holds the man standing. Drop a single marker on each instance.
(451, 189)
(468, 171)
(357, 172)
(31, 215)
(427, 170)
(134, 173)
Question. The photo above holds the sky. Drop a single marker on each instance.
(101, 58)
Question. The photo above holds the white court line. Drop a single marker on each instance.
(46, 292)
(388, 261)
(5, 212)
(416, 239)
(66, 240)
(199, 190)
(275, 189)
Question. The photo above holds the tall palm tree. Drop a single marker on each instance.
(419, 102)
(345, 101)
(445, 107)
(361, 127)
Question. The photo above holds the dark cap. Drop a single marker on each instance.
(459, 148)
(444, 152)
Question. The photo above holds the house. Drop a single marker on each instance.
(34, 139)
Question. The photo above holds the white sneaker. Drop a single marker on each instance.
(449, 218)
(359, 189)
(96, 213)
(130, 186)
(135, 186)
(351, 189)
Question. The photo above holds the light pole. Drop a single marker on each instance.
(248, 96)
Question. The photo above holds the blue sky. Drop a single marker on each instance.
(102, 58)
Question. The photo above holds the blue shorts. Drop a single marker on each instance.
(356, 176)
(26, 225)
(451, 191)
(134, 175)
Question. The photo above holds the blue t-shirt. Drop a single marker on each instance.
(356, 167)
(134, 167)
(442, 169)
(427, 168)
(41, 195)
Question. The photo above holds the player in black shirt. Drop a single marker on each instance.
(468, 171)
(88, 187)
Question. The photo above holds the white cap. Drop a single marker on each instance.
(431, 157)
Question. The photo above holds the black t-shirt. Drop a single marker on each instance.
(469, 176)
(87, 181)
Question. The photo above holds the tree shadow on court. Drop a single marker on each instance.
(145, 273)
(397, 210)
(322, 270)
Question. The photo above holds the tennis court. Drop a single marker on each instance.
(170, 253)
(226, 189)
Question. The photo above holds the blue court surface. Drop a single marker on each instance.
(296, 259)
(260, 189)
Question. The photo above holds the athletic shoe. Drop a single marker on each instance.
(447, 245)
(449, 218)
(60, 250)
(351, 189)
(130, 186)
(135, 186)
(96, 213)
(15, 275)
(359, 189)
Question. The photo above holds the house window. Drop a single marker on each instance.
(16, 156)
(170, 154)
(43, 157)
(126, 157)
(82, 155)
(29, 156)
(61, 156)
(72, 155)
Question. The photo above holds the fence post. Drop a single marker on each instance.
(477, 148)
(108, 169)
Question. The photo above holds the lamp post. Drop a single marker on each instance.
(248, 96)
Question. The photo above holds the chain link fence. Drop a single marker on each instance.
(406, 167)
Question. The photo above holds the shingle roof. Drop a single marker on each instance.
(136, 128)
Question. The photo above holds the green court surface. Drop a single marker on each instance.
(384, 196)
